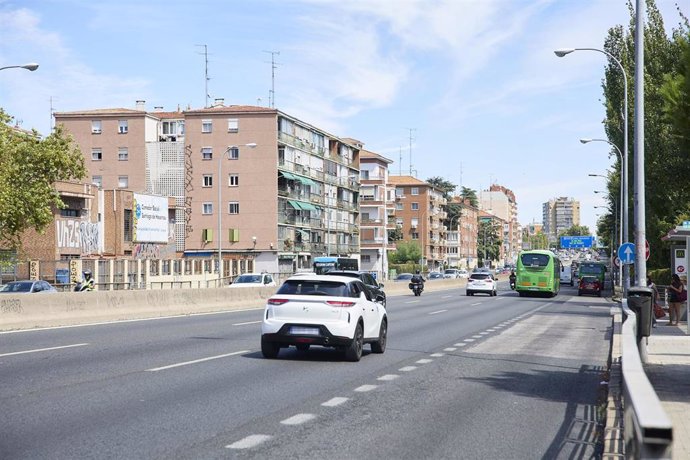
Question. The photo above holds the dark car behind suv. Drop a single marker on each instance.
(375, 288)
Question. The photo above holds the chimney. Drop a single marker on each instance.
(158, 108)
(219, 102)
(141, 105)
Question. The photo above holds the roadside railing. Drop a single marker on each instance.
(647, 427)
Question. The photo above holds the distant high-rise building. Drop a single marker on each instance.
(500, 202)
(560, 214)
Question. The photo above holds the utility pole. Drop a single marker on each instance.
(272, 92)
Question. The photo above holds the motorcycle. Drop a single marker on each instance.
(417, 288)
(512, 284)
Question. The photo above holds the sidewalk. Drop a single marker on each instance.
(668, 369)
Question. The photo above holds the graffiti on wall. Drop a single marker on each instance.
(71, 233)
(154, 251)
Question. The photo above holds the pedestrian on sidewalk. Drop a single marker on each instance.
(655, 299)
(676, 293)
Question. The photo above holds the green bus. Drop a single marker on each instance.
(538, 272)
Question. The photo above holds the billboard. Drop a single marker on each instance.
(150, 219)
(570, 242)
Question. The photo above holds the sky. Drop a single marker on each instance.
(466, 90)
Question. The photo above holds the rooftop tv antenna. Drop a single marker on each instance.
(272, 92)
(411, 138)
(206, 77)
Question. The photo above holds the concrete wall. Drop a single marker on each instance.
(70, 308)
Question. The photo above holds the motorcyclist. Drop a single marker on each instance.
(417, 278)
(512, 278)
(87, 284)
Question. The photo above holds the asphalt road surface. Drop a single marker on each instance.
(462, 377)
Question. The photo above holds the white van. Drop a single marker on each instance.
(566, 275)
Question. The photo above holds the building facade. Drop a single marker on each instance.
(420, 212)
(500, 202)
(462, 236)
(560, 214)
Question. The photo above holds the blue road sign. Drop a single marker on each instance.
(568, 242)
(626, 253)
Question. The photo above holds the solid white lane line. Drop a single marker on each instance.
(248, 322)
(407, 368)
(424, 361)
(249, 442)
(37, 350)
(436, 355)
(436, 312)
(388, 377)
(475, 304)
(162, 368)
(365, 388)
(335, 401)
(298, 419)
(449, 349)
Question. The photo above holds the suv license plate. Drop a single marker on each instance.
(304, 330)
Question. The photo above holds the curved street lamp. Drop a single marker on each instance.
(220, 206)
(624, 163)
(30, 66)
(623, 198)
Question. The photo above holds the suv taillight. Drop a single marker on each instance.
(337, 303)
(275, 301)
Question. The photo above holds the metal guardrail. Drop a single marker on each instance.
(647, 427)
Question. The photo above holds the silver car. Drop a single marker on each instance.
(27, 287)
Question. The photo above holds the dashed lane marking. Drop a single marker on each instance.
(248, 322)
(298, 419)
(407, 368)
(446, 296)
(412, 301)
(365, 388)
(249, 442)
(186, 363)
(475, 304)
(460, 344)
(436, 355)
(476, 336)
(335, 401)
(388, 377)
(437, 312)
(484, 333)
(470, 340)
(37, 350)
(450, 349)
(424, 361)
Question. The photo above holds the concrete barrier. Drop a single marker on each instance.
(29, 311)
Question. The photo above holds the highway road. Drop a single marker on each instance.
(462, 377)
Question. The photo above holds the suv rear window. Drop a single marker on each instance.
(480, 276)
(307, 287)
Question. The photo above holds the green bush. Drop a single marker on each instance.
(661, 276)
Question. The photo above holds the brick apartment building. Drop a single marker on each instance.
(287, 191)
(420, 211)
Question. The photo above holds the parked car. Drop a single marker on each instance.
(589, 285)
(481, 282)
(27, 287)
(403, 277)
(435, 276)
(463, 274)
(375, 288)
(331, 311)
(253, 280)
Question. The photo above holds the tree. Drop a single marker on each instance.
(443, 185)
(406, 252)
(29, 167)
(471, 195)
(396, 234)
(665, 156)
(488, 240)
(576, 230)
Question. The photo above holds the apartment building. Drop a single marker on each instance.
(377, 212)
(499, 225)
(420, 211)
(251, 183)
(462, 236)
(500, 202)
(560, 214)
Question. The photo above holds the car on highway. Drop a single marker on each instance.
(435, 276)
(375, 288)
(403, 277)
(481, 282)
(248, 280)
(27, 287)
(589, 285)
(330, 311)
(451, 273)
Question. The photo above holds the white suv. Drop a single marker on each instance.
(481, 282)
(331, 311)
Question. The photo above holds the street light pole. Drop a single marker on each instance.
(220, 207)
(625, 283)
(624, 167)
(30, 67)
